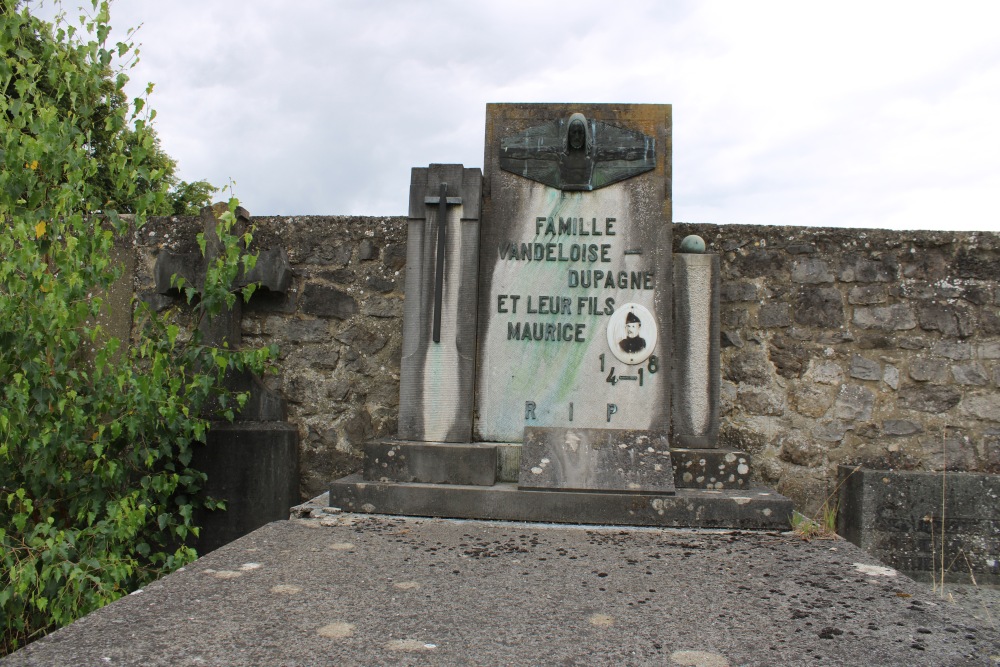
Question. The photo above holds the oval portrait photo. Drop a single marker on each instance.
(632, 333)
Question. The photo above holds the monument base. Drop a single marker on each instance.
(254, 468)
(754, 509)
(479, 481)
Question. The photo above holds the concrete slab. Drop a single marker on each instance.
(371, 590)
(750, 509)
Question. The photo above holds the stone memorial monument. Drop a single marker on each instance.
(559, 362)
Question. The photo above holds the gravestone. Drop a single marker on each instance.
(568, 305)
(251, 463)
(576, 258)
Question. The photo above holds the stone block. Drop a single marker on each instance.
(360, 339)
(170, 266)
(877, 342)
(977, 294)
(710, 468)
(952, 350)
(380, 284)
(811, 400)
(989, 350)
(949, 320)
(272, 271)
(819, 307)
(900, 518)
(989, 321)
(757, 263)
(989, 452)
(314, 356)
(891, 376)
(824, 372)
(971, 374)
(978, 265)
(761, 401)
(934, 371)
(866, 295)
(869, 271)
(394, 257)
(737, 292)
(294, 330)
(952, 451)
(327, 252)
(854, 403)
(900, 427)
(811, 271)
(897, 317)
(748, 366)
(589, 459)
(738, 317)
(382, 308)
(929, 398)
(264, 301)
(342, 276)
(774, 315)
(326, 301)
(801, 450)
(863, 368)
(982, 406)
(730, 339)
(830, 431)
(393, 460)
(367, 250)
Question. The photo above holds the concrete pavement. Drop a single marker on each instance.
(354, 589)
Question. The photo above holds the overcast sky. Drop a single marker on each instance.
(846, 114)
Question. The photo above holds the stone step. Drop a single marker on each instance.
(392, 460)
(483, 463)
(751, 509)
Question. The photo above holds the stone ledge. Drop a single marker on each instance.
(752, 509)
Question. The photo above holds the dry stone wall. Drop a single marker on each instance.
(840, 346)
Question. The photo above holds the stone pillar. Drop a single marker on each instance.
(696, 351)
(437, 374)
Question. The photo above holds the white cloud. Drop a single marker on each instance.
(848, 114)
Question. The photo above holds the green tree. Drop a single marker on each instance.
(97, 110)
(96, 490)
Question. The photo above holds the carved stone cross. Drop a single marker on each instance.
(272, 272)
(442, 201)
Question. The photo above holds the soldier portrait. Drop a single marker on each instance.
(632, 333)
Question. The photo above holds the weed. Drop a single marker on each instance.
(822, 527)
